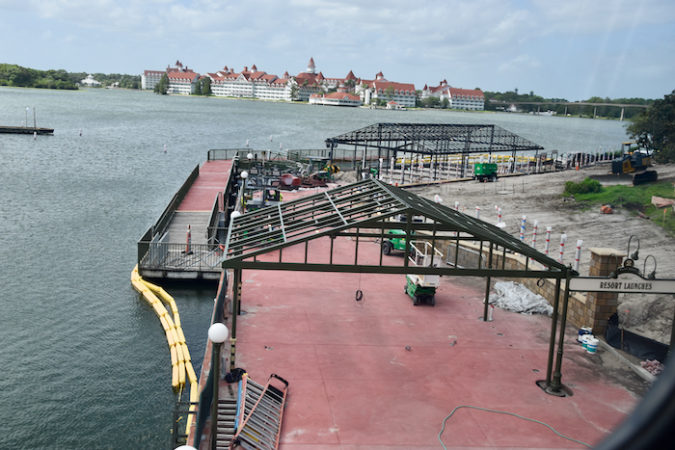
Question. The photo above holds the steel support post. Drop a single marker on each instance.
(487, 286)
(556, 385)
(554, 325)
(215, 363)
(236, 309)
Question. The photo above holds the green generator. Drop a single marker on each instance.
(485, 172)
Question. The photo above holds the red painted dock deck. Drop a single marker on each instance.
(382, 373)
(212, 179)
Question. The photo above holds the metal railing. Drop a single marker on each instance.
(225, 153)
(178, 257)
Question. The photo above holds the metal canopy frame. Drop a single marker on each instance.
(366, 206)
(367, 209)
(435, 139)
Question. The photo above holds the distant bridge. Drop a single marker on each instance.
(623, 106)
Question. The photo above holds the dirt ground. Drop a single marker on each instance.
(538, 197)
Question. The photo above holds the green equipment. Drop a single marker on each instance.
(485, 172)
(420, 288)
(394, 240)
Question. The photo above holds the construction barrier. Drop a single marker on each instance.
(181, 364)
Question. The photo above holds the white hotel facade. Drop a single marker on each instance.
(251, 84)
(470, 99)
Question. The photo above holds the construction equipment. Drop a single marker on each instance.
(394, 240)
(420, 288)
(485, 172)
(263, 411)
(635, 161)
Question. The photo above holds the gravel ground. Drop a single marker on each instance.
(539, 198)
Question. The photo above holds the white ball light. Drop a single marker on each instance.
(235, 214)
(244, 174)
(218, 333)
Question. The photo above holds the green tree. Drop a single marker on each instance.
(389, 92)
(163, 86)
(430, 102)
(654, 129)
(445, 103)
(205, 85)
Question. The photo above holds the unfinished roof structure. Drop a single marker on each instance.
(434, 142)
(435, 138)
(334, 231)
(371, 207)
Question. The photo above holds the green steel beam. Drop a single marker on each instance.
(384, 269)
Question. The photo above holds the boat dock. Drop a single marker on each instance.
(25, 130)
(183, 243)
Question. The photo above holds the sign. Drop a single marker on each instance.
(627, 282)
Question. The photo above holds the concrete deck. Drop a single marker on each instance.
(382, 373)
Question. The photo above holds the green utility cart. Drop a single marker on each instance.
(420, 288)
(485, 172)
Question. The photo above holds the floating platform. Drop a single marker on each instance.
(25, 130)
(166, 251)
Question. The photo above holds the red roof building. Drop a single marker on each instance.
(382, 90)
(470, 99)
(251, 83)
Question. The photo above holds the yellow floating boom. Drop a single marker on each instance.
(181, 364)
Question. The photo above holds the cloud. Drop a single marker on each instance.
(519, 64)
(590, 17)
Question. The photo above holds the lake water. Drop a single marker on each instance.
(86, 361)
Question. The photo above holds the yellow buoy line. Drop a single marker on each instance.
(180, 356)
(473, 158)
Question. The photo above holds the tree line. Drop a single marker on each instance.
(18, 76)
(555, 104)
(654, 129)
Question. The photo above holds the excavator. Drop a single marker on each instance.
(635, 161)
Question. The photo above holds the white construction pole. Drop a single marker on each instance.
(577, 255)
(500, 224)
(523, 223)
(548, 240)
(534, 234)
(563, 239)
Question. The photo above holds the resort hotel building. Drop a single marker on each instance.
(312, 87)
(471, 99)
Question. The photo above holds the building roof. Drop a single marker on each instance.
(384, 85)
(153, 72)
(176, 75)
(466, 92)
(343, 96)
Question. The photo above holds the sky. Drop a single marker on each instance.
(572, 49)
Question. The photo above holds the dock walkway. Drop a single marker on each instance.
(168, 254)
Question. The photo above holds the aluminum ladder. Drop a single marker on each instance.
(263, 413)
